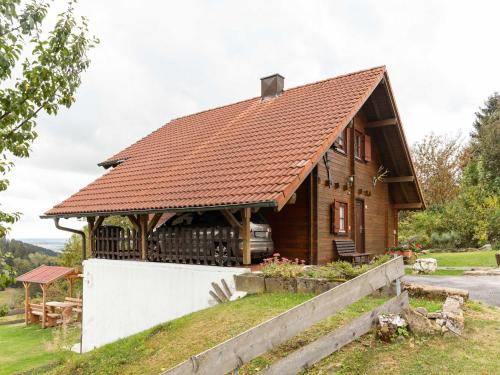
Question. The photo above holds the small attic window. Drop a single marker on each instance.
(340, 143)
(358, 145)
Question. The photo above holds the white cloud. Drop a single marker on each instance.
(160, 60)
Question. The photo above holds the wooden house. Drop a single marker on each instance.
(323, 162)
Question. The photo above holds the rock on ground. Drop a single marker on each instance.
(425, 265)
(419, 323)
(388, 324)
(452, 311)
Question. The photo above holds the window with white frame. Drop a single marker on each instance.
(342, 218)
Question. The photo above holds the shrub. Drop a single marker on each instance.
(4, 310)
(283, 267)
(345, 270)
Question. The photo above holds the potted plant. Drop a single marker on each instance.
(405, 251)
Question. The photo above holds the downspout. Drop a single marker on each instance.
(81, 233)
(84, 254)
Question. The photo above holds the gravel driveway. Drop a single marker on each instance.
(481, 288)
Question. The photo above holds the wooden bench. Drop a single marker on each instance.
(36, 314)
(78, 307)
(346, 250)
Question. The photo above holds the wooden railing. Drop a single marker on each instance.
(114, 242)
(216, 246)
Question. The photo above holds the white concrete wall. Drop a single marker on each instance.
(121, 298)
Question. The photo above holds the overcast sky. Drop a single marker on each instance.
(161, 60)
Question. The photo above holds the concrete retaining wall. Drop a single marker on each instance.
(125, 297)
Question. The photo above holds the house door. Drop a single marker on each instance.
(360, 226)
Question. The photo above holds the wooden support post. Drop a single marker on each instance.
(407, 206)
(143, 224)
(381, 123)
(90, 234)
(390, 180)
(231, 219)
(156, 218)
(27, 316)
(135, 222)
(396, 226)
(352, 174)
(71, 283)
(44, 302)
(247, 257)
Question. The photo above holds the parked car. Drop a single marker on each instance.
(261, 243)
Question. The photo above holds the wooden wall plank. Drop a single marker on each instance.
(376, 203)
(290, 226)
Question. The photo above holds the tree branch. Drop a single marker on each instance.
(33, 114)
(10, 31)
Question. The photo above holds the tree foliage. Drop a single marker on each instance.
(468, 215)
(7, 273)
(71, 255)
(486, 140)
(438, 161)
(40, 71)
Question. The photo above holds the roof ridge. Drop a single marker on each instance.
(290, 89)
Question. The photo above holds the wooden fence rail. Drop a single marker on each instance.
(241, 349)
(312, 353)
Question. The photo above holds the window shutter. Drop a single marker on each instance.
(346, 217)
(332, 218)
(368, 148)
(334, 209)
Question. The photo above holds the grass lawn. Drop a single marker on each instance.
(469, 259)
(476, 353)
(162, 347)
(23, 348)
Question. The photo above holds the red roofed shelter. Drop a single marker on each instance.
(44, 276)
(324, 163)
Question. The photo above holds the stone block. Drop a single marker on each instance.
(280, 285)
(434, 292)
(317, 286)
(250, 282)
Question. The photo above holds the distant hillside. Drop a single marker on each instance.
(21, 249)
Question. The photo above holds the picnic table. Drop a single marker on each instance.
(66, 309)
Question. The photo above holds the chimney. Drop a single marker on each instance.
(271, 86)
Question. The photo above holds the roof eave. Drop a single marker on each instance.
(271, 203)
(404, 141)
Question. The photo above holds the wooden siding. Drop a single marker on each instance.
(291, 226)
(379, 215)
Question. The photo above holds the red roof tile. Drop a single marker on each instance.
(252, 152)
(45, 274)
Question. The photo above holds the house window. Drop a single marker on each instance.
(358, 145)
(342, 223)
(339, 223)
(340, 143)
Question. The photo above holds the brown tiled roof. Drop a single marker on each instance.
(46, 274)
(255, 152)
